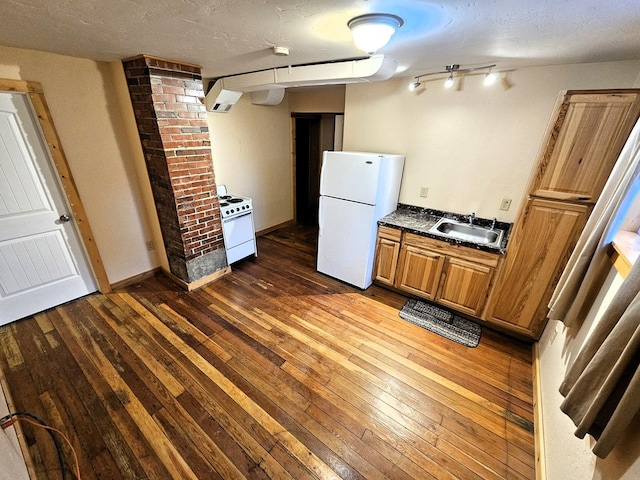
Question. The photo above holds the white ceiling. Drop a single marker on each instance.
(229, 37)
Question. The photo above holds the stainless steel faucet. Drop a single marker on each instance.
(472, 217)
(493, 223)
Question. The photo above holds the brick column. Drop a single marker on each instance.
(173, 130)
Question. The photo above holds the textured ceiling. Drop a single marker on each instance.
(230, 37)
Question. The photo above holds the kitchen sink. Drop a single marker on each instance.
(470, 233)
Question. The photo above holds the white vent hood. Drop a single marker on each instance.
(372, 69)
(220, 100)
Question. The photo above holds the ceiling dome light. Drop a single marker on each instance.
(373, 31)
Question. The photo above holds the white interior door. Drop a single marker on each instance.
(42, 260)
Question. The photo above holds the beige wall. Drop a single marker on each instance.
(251, 149)
(131, 143)
(473, 146)
(251, 156)
(329, 99)
(566, 456)
(83, 98)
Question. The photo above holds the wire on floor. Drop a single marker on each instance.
(10, 419)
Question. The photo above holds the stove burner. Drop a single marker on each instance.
(232, 206)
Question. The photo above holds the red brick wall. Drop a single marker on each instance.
(171, 119)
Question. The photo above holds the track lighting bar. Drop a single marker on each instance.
(451, 70)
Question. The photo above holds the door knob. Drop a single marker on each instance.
(64, 218)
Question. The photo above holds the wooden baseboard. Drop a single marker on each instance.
(288, 223)
(198, 283)
(203, 281)
(136, 278)
(538, 429)
(187, 286)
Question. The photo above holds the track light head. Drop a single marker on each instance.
(489, 78)
(449, 81)
(454, 69)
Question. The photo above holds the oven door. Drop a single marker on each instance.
(237, 230)
(239, 236)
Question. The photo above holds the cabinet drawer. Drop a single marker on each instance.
(452, 250)
(389, 233)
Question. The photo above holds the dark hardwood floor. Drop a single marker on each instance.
(274, 371)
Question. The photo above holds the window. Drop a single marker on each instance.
(625, 236)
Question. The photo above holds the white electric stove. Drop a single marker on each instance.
(237, 225)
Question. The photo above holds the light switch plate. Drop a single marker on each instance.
(424, 191)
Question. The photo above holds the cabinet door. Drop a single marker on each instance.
(386, 260)
(539, 249)
(584, 143)
(464, 286)
(419, 271)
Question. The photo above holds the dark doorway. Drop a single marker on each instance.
(313, 134)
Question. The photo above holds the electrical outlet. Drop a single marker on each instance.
(150, 245)
(424, 191)
(505, 204)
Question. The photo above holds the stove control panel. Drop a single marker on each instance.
(240, 209)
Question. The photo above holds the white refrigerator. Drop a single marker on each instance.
(356, 190)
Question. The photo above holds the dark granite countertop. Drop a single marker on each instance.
(418, 220)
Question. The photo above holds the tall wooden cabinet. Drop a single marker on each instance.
(541, 244)
(590, 130)
(582, 146)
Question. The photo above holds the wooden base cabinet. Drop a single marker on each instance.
(386, 257)
(455, 276)
(420, 271)
(464, 286)
(540, 247)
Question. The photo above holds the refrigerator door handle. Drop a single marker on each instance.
(320, 216)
